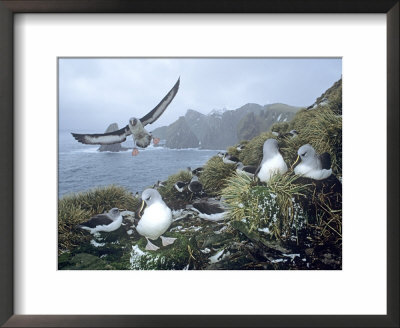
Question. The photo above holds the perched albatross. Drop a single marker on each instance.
(155, 220)
(248, 170)
(312, 165)
(230, 159)
(272, 161)
(103, 222)
(141, 137)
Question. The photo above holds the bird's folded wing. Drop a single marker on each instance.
(98, 220)
(258, 168)
(105, 138)
(325, 161)
(153, 115)
(208, 208)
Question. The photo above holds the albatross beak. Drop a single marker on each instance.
(295, 163)
(142, 207)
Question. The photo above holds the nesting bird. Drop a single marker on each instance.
(230, 159)
(196, 171)
(156, 218)
(311, 165)
(180, 186)
(159, 184)
(315, 170)
(272, 161)
(107, 222)
(248, 170)
(209, 209)
(195, 186)
(135, 127)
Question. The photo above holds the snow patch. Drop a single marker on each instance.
(96, 244)
(217, 257)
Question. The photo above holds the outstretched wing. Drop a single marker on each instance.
(161, 107)
(325, 161)
(105, 138)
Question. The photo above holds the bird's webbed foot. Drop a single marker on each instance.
(167, 240)
(150, 246)
(135, 152)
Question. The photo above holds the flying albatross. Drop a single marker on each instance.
(141, 137)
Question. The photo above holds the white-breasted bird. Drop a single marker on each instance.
(135, 127)
(311, 165)
(106, 222)
(272, 161)
(155, 220)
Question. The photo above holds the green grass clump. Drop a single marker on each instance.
(214, 175)
(233, 151)
(76, 208)
(270, 205)
(280, 127)
(253, 152)
(168, 192)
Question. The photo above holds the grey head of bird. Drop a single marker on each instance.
(114, 213)
(149, 197)
(308, 156)
(270, 149)
(133, 121)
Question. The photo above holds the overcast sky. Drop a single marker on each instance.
(94, 93)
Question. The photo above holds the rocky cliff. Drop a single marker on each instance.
(222, 128)
(179, 135)
(115, 147)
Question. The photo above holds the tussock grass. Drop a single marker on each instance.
(233, 151)
(280, 127)
(270, 205)
(214, 175)
(74, 209)
(168, 192)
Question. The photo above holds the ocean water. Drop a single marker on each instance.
(82, 167)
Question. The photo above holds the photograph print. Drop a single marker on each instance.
(199, 163)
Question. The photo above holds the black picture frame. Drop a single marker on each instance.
(10, 7)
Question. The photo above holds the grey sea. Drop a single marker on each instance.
(82, 167)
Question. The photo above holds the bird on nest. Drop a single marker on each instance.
(155, 219)
(209, 209)
(135, 127)
(316, 170)
(106, 222)
(311, 165)
(272, 161)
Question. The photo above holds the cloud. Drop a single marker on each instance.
(96, 92)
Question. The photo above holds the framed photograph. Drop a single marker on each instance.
(160, 157)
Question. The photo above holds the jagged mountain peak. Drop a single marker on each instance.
(221, 127)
